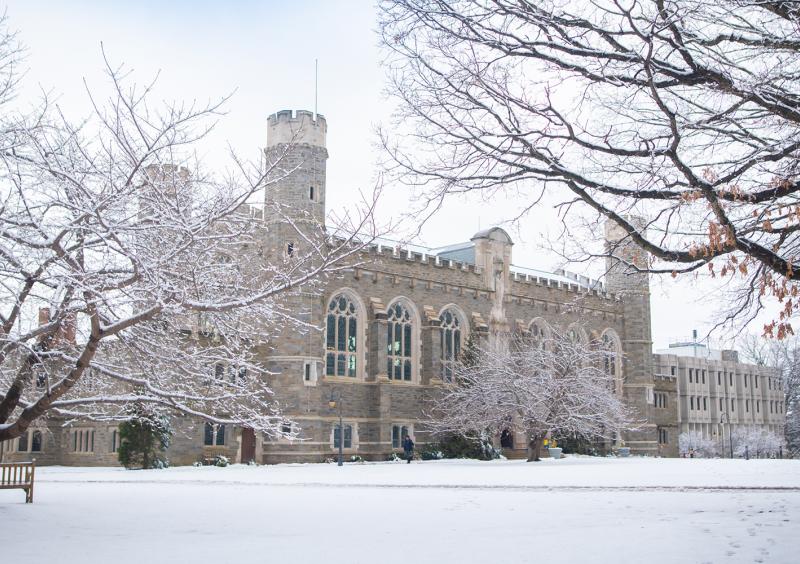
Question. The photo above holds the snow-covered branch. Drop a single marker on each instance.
(558, 385)
(130, 273)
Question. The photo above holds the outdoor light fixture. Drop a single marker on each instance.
(722, 418)
(333, 401)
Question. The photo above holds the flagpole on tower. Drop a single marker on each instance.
(316, 85)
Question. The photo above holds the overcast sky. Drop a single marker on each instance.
(264, 52)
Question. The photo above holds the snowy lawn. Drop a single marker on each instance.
(572, 510)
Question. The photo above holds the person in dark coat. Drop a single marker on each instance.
(408, 448)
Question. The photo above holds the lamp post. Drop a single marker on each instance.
(333, 402)
(730, 432)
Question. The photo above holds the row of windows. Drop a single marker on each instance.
(399, 433)
(232, 374)
(695, 401)
(30, 442)
(774, 406)
(701, 404)
(660, 400)
(698, 376)
(81, 440)
(663, 436)
(342, 340)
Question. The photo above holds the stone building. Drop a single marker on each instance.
(391, 329)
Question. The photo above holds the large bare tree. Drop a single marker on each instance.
(684, 112)
(554, 385)
(131, 275)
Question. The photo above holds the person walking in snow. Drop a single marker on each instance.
(408, 448)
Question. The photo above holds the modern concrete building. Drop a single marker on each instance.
(715, 394)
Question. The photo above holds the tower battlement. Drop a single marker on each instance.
(299, 127)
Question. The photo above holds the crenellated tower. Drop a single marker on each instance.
(294, 214)
(296, 145)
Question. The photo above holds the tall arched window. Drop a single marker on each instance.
(577, 334)
(341, 343)
(451, 330)
(612, 358)
(539, 332)
(398, 364)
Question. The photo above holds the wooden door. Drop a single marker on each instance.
(248, 445)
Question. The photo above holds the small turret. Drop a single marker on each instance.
(493, 257)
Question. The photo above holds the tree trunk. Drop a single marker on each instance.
(535, 447)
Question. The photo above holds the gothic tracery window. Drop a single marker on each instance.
(609, 356)
(399, 358)
(341, 337)
(576, 334)
(451, 342)
(538, 333)
(612, 353)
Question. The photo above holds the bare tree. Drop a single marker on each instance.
(557, 385)
(130, 275)
(685, 112)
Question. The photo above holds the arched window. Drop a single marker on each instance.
(399, 361)
(539, 333)
(576, 334)
(609, 356)
(450, 323)
(612, 358)
(341, 337)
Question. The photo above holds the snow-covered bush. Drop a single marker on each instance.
(356, 458)
(470, 445)
(431, 452)
(756, 443)
(694, 443)
(221, 461)
(160, 464)
(394, 457)
(143, 438)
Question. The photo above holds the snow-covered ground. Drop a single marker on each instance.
(572, 510)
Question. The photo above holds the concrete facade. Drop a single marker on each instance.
(716, 395)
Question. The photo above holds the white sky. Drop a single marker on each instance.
(264, 51)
